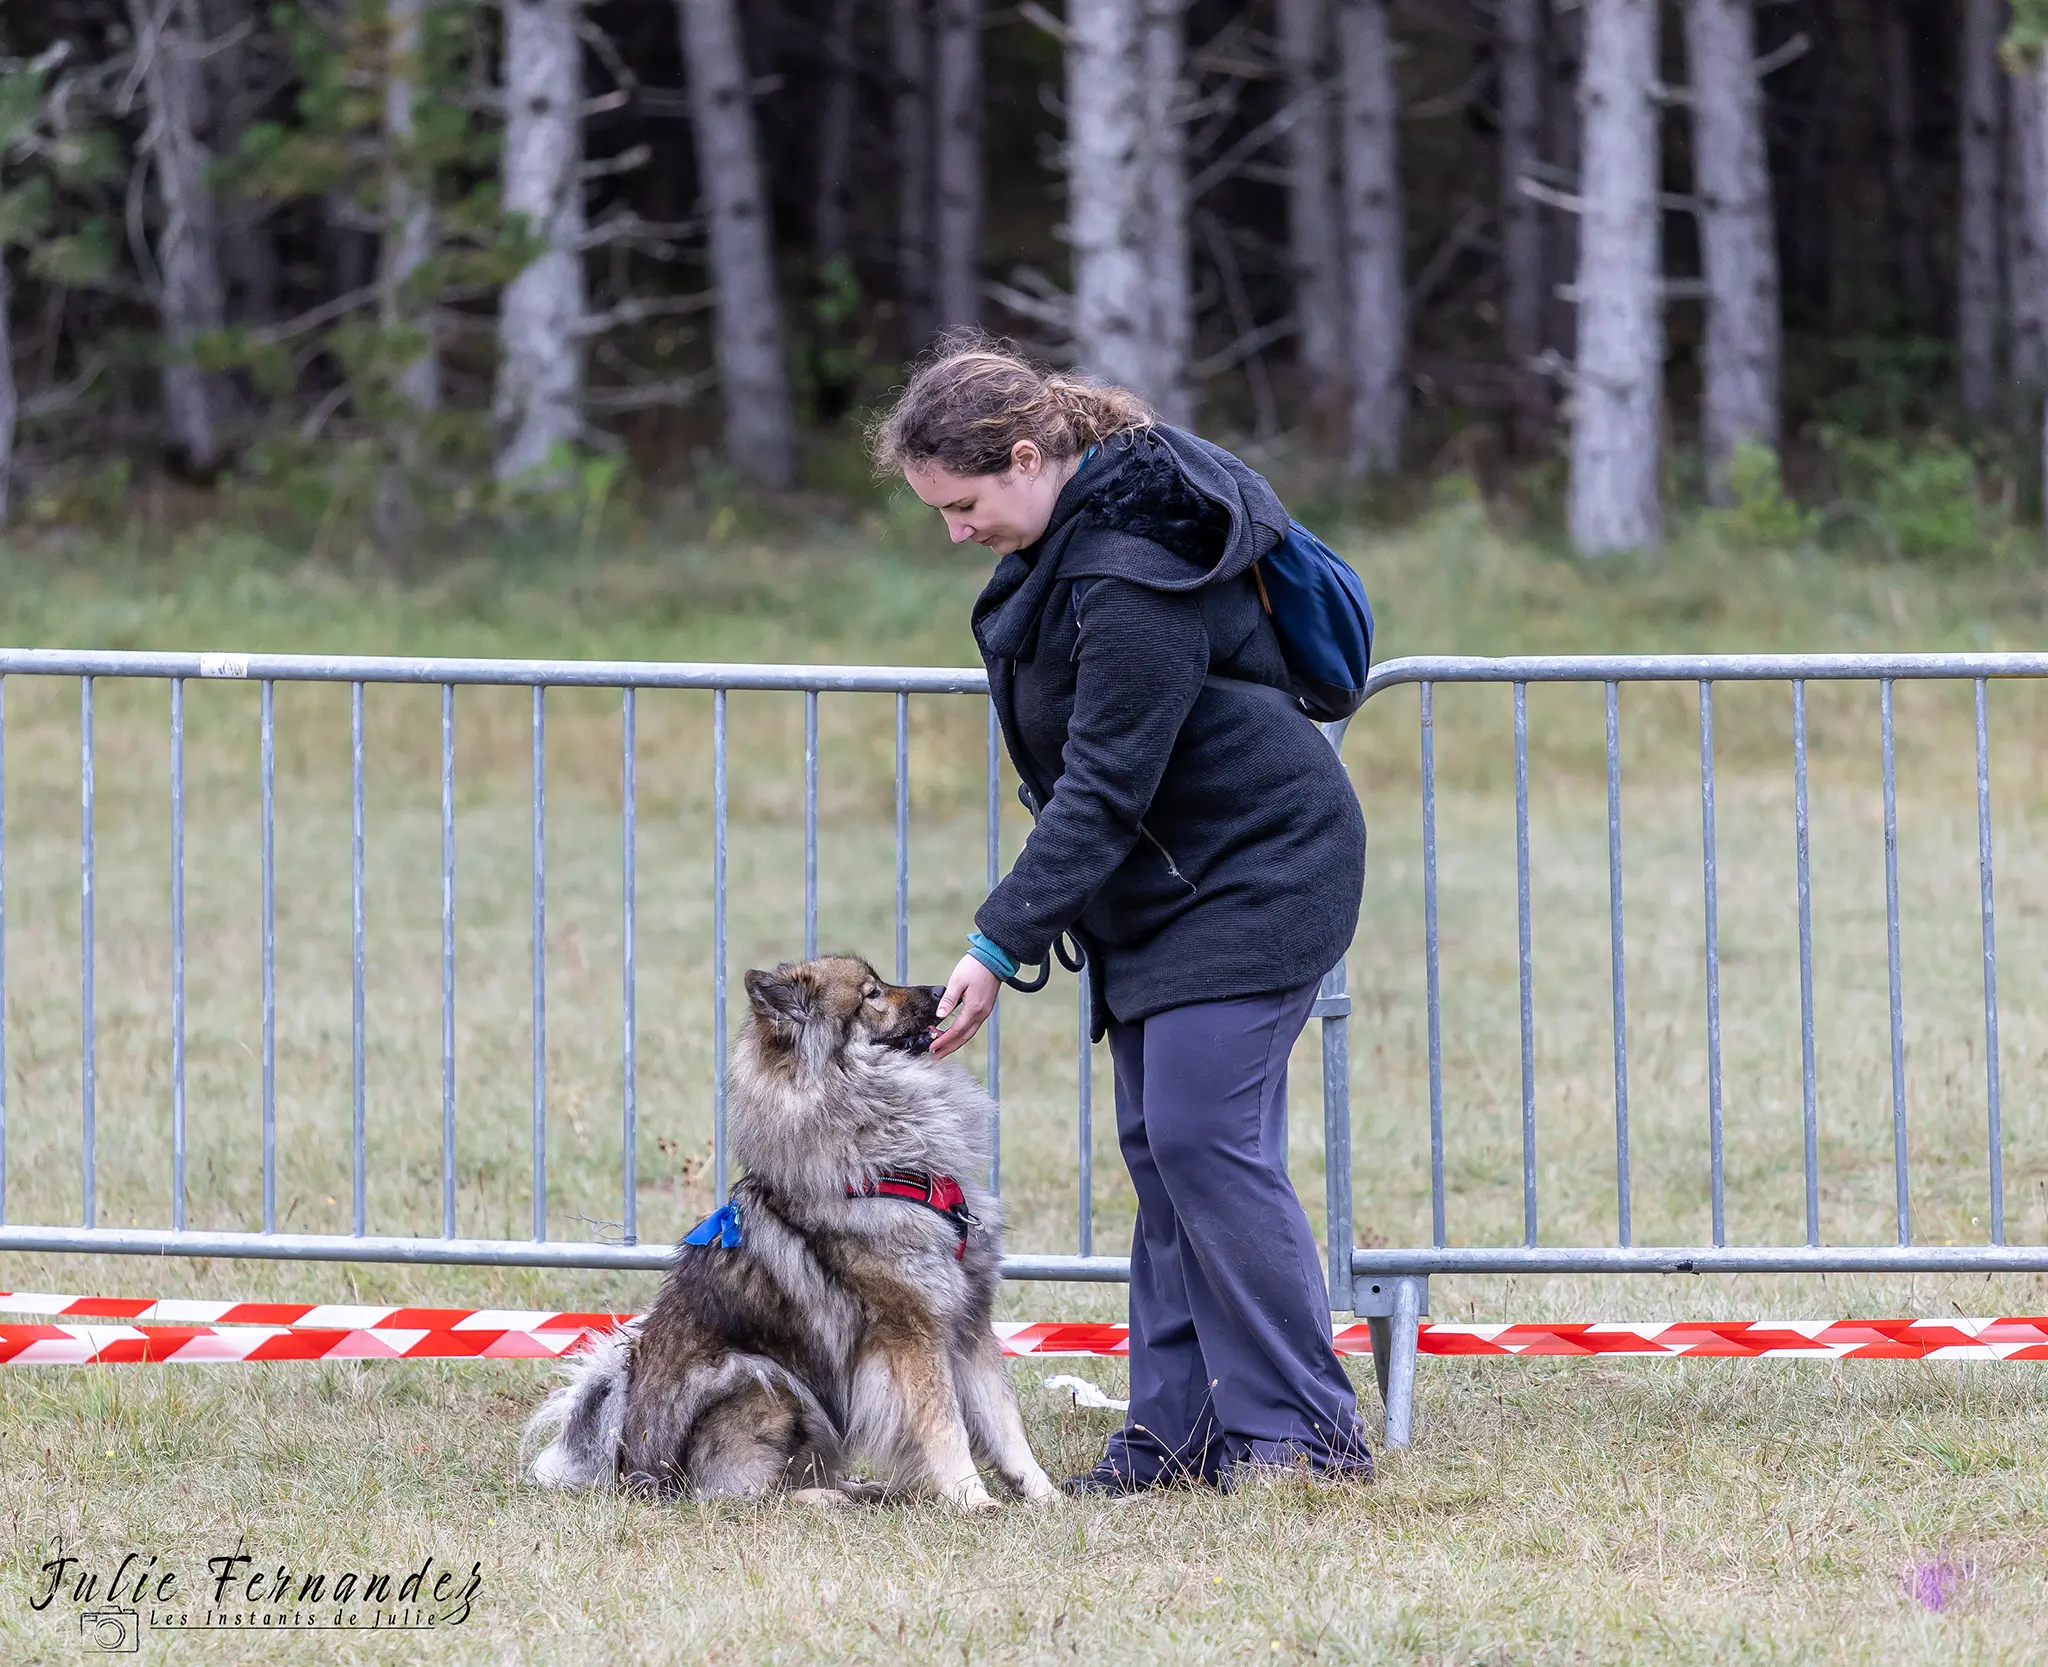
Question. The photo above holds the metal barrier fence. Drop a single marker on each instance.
(1388, 1286)
(1392, 1284)
(627, 679)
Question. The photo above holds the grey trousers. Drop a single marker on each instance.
(1230, 1319)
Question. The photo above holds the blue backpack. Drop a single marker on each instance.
(1318, 606)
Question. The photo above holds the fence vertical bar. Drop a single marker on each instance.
(178, 954)
(1523, 960)
(810, 824)
(1432, 980)
(540, 964)
(268, 698)
(1338, 1234)
(629, 1063)
(448, 960)
(1710, 880)
(995, 1013)
(1085, 1114)
(1993, 1110)
(902, 838)
(1809, 1101)
(87, 1040)
(1892, 967)
(718, 1187)
(3, 952)
(358, 1082)
(1618, 972)
(1333, 1008)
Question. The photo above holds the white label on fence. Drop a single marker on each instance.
(223, 665)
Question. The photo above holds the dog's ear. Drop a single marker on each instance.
(780, 997)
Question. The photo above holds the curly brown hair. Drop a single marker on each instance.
(969, 403)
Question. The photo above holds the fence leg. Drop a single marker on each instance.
(1399, 1384)
(1392, 1307)
(1382, 1328)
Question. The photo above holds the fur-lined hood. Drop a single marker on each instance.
(1160, 507)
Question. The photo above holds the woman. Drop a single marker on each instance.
(1200, 840)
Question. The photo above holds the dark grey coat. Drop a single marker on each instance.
(1202, 839)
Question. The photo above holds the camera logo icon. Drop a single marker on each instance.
(111, 1629)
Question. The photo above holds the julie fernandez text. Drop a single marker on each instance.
(238, 1591)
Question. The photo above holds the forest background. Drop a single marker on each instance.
(339, 268)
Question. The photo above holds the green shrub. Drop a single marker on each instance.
(1924, 494)
(1763, 516)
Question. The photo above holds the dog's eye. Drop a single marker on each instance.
(872, 993)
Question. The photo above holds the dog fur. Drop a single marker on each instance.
(841, 1329)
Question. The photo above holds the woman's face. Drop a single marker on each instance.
(1004, 512)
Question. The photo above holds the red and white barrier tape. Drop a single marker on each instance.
(221, 1332)
(118, 1345)
(299, 1316)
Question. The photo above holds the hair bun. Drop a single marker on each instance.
(969, 404)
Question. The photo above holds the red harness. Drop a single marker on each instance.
(935, 1192)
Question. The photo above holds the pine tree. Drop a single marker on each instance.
(1618, 380)
(1738, 236)
(1106, 203)
(1373, 237)
(538, 398)
(753, 373)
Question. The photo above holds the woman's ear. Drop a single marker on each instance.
(1026, 458)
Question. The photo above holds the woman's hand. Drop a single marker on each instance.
(969, 999)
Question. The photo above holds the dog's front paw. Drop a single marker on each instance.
(971, 1496)
(1037, 1489)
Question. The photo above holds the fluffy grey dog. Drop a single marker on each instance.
(841, 1312)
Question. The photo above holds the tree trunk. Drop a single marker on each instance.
(753, 374)
(910, 57)
(1373, 247)
(1314, 237)
(193, 299)
(1520, 57)
(408, 213)
(1903, 182)
(1106, 195)
(956, 87)
(248, 245)
(2035, 76)
(1169, 243)
(2023, 254)
(1563, 61)
(1617, 402)
(538, 401)
(1977, 211)
(836, 117)
(1808, 106)
(9, 403)
(1738, 236)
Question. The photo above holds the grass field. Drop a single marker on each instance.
(1549, 1510)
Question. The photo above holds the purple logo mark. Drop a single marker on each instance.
(1936, 1586)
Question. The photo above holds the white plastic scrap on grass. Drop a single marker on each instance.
(1087, 1397)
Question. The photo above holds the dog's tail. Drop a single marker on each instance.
(584, 1417)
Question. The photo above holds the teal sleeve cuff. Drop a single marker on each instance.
(992, 955)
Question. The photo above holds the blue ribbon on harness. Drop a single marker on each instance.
(721, 1227)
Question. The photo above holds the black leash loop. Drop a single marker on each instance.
(1073, 960)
